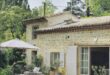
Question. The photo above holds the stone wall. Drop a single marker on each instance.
(59, 41)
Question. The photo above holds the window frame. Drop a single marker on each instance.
(84, 58)
(34, 28)
(53, 58)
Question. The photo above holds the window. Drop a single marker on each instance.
(84, 61)
(34, 53)
(54, 58)
(34, 35)
(57, 59)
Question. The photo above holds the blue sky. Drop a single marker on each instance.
(61, 4)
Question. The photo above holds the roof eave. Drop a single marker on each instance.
(34, 20)
(75, 29)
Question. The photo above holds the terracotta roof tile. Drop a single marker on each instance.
(80, 23)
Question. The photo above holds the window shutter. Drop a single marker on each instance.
(47, 59)
(61, 59)
(71, 60)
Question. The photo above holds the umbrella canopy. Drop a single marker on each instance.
(16, 43)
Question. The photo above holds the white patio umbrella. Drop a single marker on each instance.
(16, 43)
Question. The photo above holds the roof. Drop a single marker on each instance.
(43, 18)
(81, 24)
(33, 20)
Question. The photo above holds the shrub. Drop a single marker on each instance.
(19, 67)
(38, 61)
(16, 55)
(29, 67)
(45, 70)
(3, 59)
(6, 71)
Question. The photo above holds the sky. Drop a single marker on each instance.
(61, 4)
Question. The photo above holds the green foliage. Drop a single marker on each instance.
(76, 6)
(17, 60)
(15, 56)
(99, 70)
(45, 70)
(93, 7)
(12, 13)
(38, 61)
(29, 67)
(6, 71)
(8, 3)
(11, 22)
(19, 67)
(35, 12)
(55, 66)
(49, 9)
(3, 59)
(100, 7)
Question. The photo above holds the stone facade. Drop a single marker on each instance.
(41, 41)
(60, 41)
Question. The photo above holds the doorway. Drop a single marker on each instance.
(99, 59)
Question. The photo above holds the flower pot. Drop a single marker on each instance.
(52, 72)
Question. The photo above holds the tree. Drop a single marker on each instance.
(77, 7)
(35, 12)
(99, 7)
(11, 22)
(89, 7)
(47, 7)
(12, 13)
(8, 3)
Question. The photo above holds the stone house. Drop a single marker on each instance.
(78, 44)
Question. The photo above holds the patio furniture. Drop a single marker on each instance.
(16, 43)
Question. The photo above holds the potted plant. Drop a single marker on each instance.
(61, 71)
(99, 70)
(45, 70)
(54, 68)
